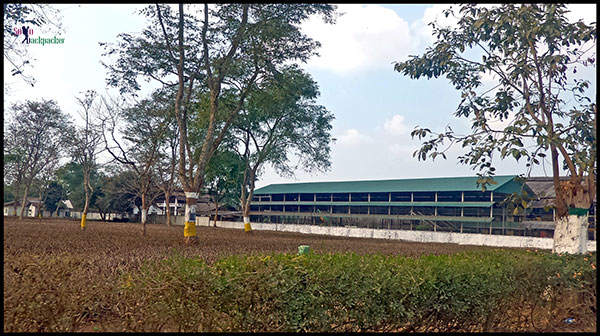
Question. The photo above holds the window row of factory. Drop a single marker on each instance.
(440, 196)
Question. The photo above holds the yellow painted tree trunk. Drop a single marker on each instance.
(189, 231)
(85, 209)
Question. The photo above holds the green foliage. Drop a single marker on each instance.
(282, 118)
(34, 142)
(118, 192)
(70, 176)
(532, 53)
(224, 177)
(471, 291)
(225, 51)
(55, 194)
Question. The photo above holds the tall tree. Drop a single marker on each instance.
(282, 118)
(85, 144)
(34, 136)
(533, 53)
(228, 50)
(145, 126)
(166, 167)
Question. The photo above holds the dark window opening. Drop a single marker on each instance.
(307, 197)
(322, 208)
(359, 197)
(448, 211)
(379, 210)
(400, 210)
(400, 197)
(476, 212)
(358, 209)
(477, 196)
(291, 197)
(423, 197)
(424, 211)
(341, 197)
(306, 208)
(323, 197)
(445, 196)
(380, 197)
(340, 209)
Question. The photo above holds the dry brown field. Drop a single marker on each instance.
(51, 263)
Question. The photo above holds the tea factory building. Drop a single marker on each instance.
(453, 204)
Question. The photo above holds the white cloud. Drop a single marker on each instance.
(363, 38)
(395, 126)
(352, 137)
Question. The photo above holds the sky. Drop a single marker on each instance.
(375, 108)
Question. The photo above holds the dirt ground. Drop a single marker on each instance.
(105, 250)
(53, 236)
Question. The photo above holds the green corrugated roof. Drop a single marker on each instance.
(404, 185)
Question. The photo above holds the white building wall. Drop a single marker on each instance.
(94, 215)
(413, 236)
(30, 211)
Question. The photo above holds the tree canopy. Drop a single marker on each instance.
(538, 103)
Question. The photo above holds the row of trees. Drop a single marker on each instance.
(231, 101)
(140, 141)
(214, 63)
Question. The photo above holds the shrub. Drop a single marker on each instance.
(473, 291)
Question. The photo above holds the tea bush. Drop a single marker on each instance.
(109, 278)
(472, 291)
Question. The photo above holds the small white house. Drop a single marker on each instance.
(32, 207)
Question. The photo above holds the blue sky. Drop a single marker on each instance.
(375, 108)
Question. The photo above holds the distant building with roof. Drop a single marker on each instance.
(452, 204)
(33, 207)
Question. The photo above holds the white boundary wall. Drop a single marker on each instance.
(414, 236)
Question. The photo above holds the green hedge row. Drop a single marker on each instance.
(475, 291)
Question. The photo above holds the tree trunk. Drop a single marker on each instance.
(168, 207)
(246, 208)
(16, 200)
(24, 202)
(85, 208)
(570, 233)
(144, 220)
(246, 215)
(144, 214)
(247, 225)
(216, 210)
(189, 231)
(42, 201)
